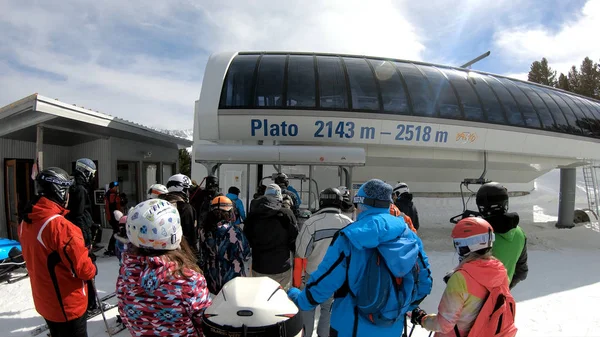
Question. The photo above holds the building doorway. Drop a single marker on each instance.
(127, 176)
(150, 176)
(19, 190)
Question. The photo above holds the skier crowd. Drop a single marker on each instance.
(185, 254)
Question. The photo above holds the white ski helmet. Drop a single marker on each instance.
(400, 189)
(179, 183)
(155, 190)
(154, 224)
(252, 306)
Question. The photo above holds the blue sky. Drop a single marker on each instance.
(144, 60)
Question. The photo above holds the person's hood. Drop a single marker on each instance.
(43, 209)
(154, 270)
(504, 224)
(232, 197)
(374, 226)
(267, 206)
(487, 272)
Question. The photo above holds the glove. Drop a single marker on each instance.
(417, 315)
(293, 294)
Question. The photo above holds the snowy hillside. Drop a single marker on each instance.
(186, 134)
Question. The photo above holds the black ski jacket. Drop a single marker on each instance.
(271, 231)
(406, 206)
(187, 214)
(80, 207)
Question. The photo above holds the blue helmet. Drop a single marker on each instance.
(86, 167)
(375, 193)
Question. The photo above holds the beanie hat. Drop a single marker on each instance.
(275, 191)
(374, 193)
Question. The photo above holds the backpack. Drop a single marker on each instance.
(497, 315)
(383, 298)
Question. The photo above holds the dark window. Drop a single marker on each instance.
(237, 89)
(392, 89)
(510, 106)
(569, 115)
(362, 85)
(531, 117)
(444, 96)
(593, 110)
(559, 118)
(420, 95)
(332, 83)
(539, 105)
(591, 113)
(491, 105)
(269, 84)
(583, 121)
(468, 98)
(301, 88)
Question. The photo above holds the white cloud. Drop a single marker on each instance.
(144, 61)
(576, 39)
(357, 27)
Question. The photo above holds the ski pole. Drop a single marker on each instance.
(101, 307)
(411, 330)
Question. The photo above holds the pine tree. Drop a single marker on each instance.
(185, 162)
(588, 79)
(535, 72)
(547, 74)
(563, 82)
(573, 78)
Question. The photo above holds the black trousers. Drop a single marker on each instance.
(73, 328)
(91, 292)
(111, 243)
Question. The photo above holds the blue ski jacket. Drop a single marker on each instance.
(239, 204)
(337, 272)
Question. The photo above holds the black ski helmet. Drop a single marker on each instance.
(53, 183)
(331, 197)
(212, 181)
(492, 199)
(282, 179)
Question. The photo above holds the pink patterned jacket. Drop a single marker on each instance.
(153, 301)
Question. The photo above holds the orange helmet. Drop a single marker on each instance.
(472, 234)
(222, 203)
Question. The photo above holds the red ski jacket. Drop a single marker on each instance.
(57, 261)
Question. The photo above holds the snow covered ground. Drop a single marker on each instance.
(558, 298)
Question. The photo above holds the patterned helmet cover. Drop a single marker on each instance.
(154, 224)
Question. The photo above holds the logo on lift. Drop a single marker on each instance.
(466, 137)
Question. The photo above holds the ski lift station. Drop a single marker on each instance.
(328, 120)
(37, 131)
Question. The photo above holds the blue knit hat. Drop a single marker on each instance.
(374, 193)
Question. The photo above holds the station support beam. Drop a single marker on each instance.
(566, 199)
(39, 148)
